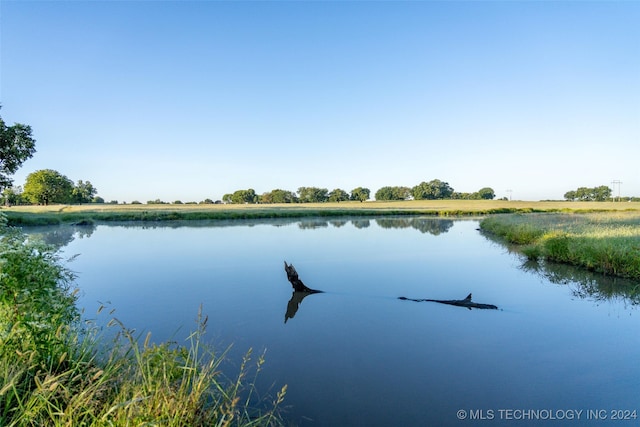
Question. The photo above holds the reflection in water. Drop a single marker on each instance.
(433, 226)
(361, 223)
(60, 236)
(311, 224)
(338, 222)
(586, 284)
(294, 303)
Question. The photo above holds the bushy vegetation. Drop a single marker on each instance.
(393, 193)
(585, 194)
(47, 186)
(432, 190)
(485, 193)
(241, 196)
(16, 145)
(156, 202)
(360, 194)
(603, 242)
(58, 371)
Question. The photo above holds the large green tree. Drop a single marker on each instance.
(313, 195)
(48, 186)
(278, 196)
(361, 194)
(585, 194)
(486, 193)
(244, 196)
(12, 196)
(338, 195)
(393, 193)
(432, 190)
(601, 193)
(16, 146)
(83, 192)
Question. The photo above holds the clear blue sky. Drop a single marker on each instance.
(192, 100)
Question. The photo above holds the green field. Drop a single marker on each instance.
(54, 214)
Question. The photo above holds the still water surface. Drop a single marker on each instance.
(355, 355)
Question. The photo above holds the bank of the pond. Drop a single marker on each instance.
(82, 214)
(608, 243)
(58, 371)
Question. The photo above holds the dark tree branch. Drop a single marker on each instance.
(457, 302)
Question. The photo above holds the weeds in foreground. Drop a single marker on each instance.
(57, 371)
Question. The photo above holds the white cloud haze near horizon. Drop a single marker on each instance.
(192, 100)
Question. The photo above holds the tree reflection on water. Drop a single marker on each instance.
(585, 284)
(434, 226)
(61, 235)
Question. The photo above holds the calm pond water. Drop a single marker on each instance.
(562, 343)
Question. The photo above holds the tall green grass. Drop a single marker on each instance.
(608, 243)
(56, 370)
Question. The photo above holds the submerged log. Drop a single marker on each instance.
(457, 302)
(300, 291)
(292, 276)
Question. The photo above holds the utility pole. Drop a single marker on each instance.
(509, 191)
(614, 182)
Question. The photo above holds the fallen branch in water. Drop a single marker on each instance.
(292, 276)
(300, 291)
(457, 302)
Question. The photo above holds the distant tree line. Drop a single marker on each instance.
(432, 190)
(303, 195)
(584, 194)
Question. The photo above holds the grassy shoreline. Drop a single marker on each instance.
(607, 243)
(58, 214)
(56, 370)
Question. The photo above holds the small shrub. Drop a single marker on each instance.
(556, 246)
(532, 252)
